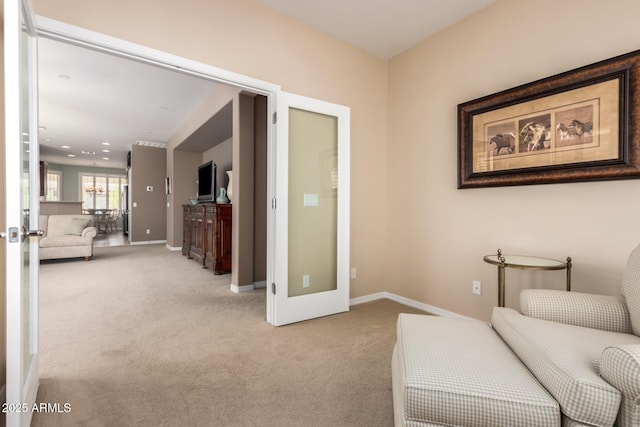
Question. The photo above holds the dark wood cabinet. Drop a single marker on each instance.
(206, 235)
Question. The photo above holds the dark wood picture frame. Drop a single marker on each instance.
(581, 125)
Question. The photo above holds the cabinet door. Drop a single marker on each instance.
(210, 237)
(186, 213)
(197, 234)
(223, 239)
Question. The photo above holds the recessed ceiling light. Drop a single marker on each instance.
(162, 107)
(106, 151)
(64, 76)
(106, 143)
(88, 152)
(66, 147)
(71, 155)
(106, 158)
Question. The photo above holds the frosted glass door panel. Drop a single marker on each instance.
(313, 202)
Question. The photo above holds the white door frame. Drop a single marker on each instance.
(82, 37)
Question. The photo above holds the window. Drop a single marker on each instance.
(101, 191)
(54, 186)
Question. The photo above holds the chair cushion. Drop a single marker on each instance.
(631, 288)
(459, 372)
(565, 359)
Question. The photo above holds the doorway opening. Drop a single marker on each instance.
(215, 130)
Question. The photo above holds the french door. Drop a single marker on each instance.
(311, 255)
(21, 199)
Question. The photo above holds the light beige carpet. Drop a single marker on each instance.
(141, 336)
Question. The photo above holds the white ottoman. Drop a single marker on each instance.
(458, 372)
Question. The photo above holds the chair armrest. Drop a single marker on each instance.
(620, 367)
(602, 312)
(89, 232)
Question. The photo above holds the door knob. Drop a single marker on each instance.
(31, 233)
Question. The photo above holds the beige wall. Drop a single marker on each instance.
(184, 186)
(412, 232)
(247, 38)
(148, 168)
(437, 235)
(260, 193)
(184, 173)
(242, 190)
(222, 156)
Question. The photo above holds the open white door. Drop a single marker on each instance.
(311, 208)
(21, 171)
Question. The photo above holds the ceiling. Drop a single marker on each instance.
(383, 28)
(94, 106)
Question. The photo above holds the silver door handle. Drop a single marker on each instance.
(31, 233)
(13, 234)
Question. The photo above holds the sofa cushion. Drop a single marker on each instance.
(64, 241)
(631, 288)
(459, 372)
(76, 225)
(57, 224)
(565, 359)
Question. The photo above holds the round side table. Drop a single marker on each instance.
(524, 262)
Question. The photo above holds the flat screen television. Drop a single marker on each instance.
(207, 182)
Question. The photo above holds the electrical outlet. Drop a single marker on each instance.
(148, 231)
(305, 281)
(354, 273)
(476, 287)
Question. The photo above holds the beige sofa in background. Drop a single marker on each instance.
(67, 236)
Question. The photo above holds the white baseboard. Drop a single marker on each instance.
(248, 288)
(237, 289)
(148, 242)
(408, 302)
(174, 248)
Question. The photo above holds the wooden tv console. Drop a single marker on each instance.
(206, 235)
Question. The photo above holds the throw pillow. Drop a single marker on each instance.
(76, 225)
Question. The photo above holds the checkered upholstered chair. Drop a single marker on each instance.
(602, 331)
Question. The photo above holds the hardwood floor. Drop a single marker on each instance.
(112, 238)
